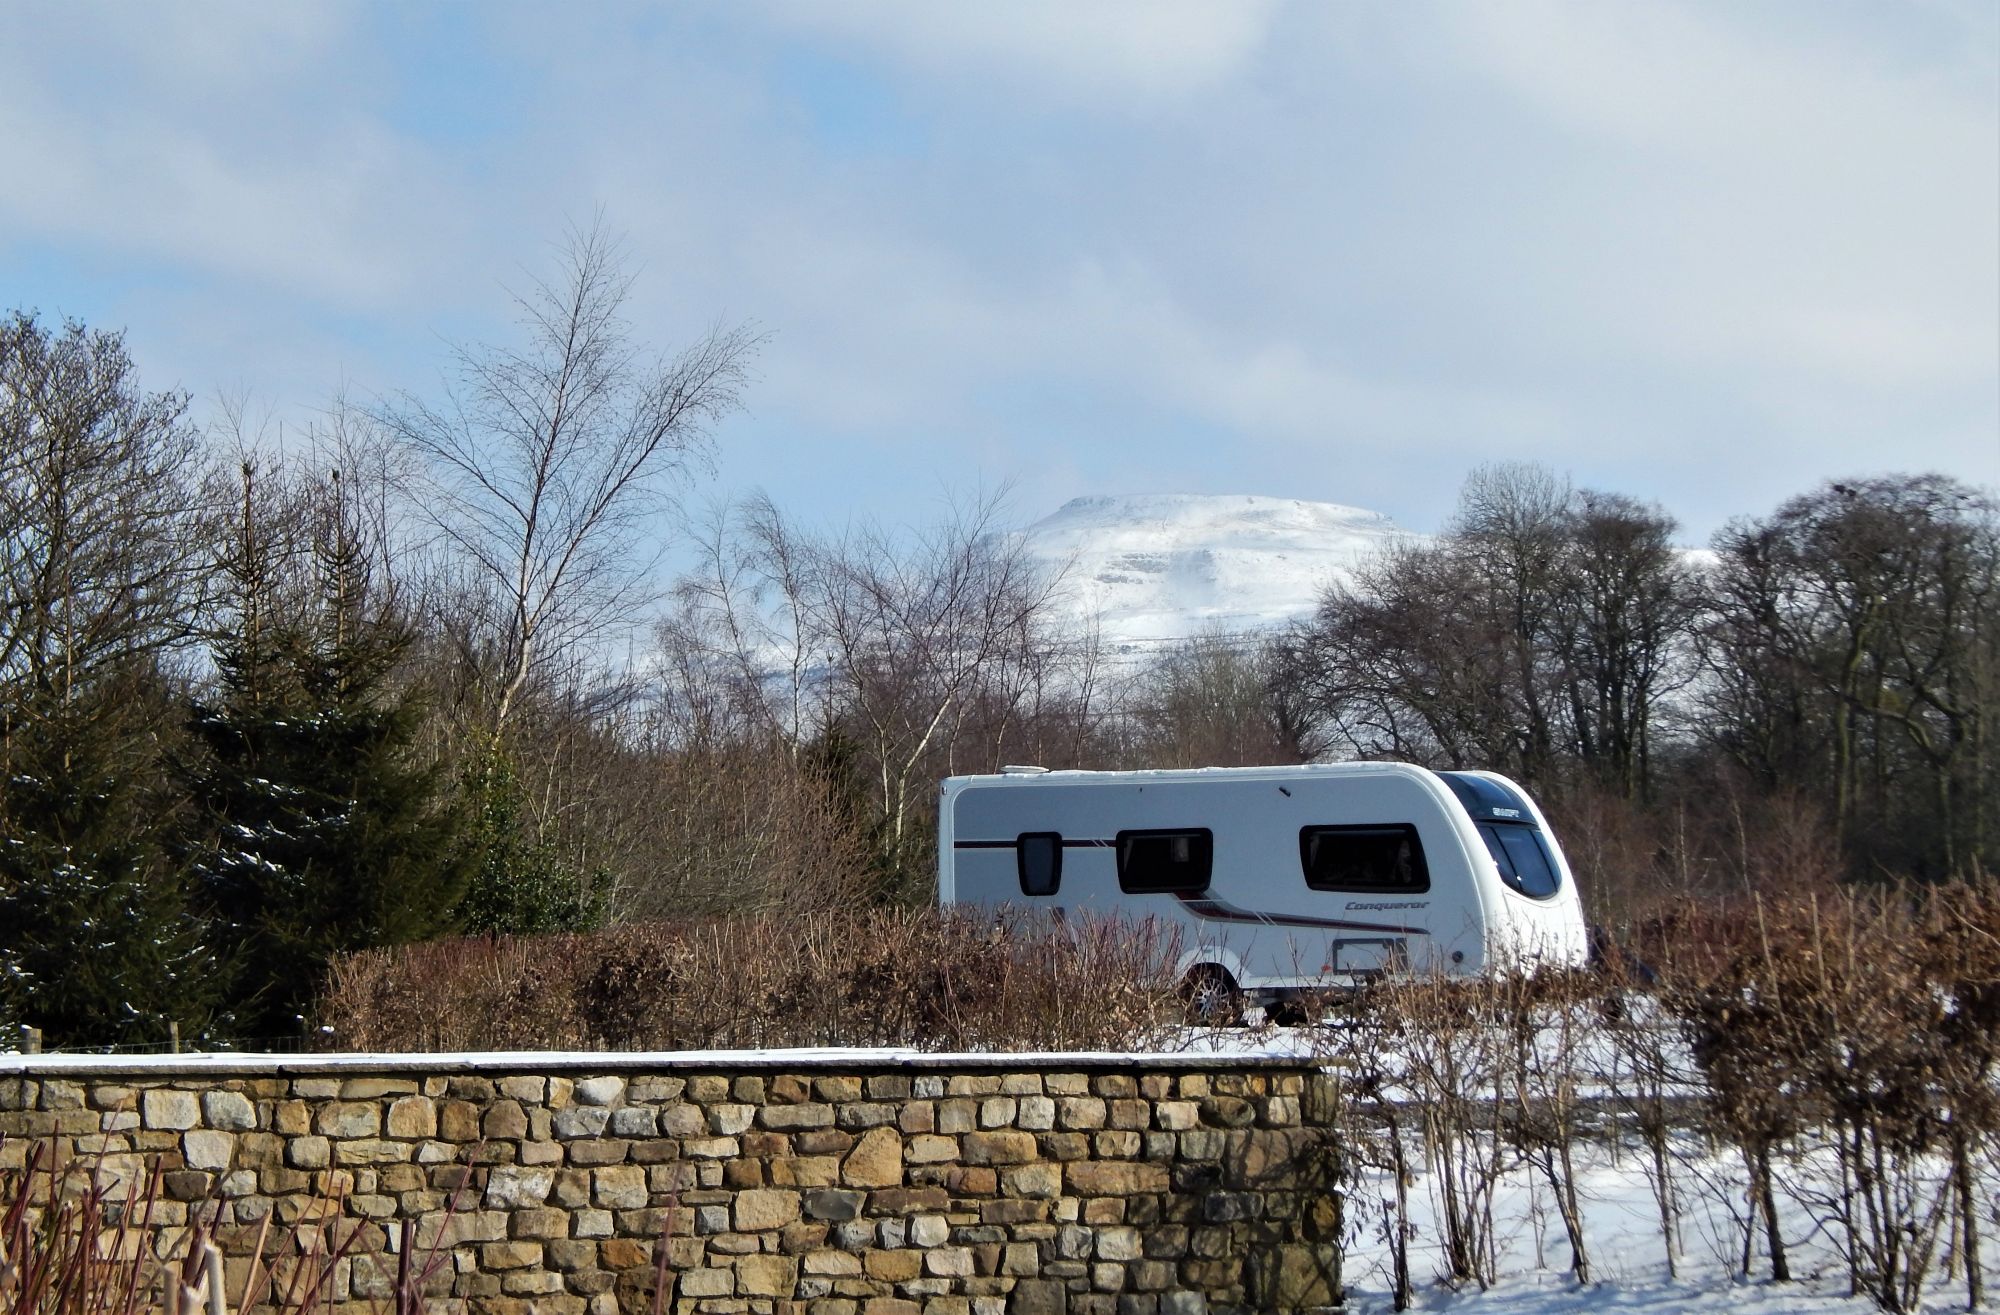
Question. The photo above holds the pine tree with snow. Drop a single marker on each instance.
(100, 946)
(322, 830)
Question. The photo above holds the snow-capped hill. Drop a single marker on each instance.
(1155, 568)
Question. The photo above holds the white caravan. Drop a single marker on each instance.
(1274, 879)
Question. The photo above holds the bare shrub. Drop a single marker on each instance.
(924, 979)
(1451, 1058)
(1858, 1026)
(1546, 1022)
(1368, 1115)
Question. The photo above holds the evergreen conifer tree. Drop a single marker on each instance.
(522, 883)
(100, 946)
(323, 831)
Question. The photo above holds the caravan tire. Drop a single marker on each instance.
(1212, 996)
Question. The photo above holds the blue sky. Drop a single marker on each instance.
(1707, 254)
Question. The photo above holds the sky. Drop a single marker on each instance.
(1706, 254)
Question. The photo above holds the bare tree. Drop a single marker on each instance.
(101, 510)
(553, 459)
(883, 649)
(1209, 702)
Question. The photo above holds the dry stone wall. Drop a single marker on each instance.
(892, 1185)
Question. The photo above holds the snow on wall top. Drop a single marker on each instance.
(1276, 1050)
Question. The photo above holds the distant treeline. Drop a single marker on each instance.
(418, 672)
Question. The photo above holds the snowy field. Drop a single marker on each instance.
(1628, 1261)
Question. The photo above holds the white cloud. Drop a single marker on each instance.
(1101, 51)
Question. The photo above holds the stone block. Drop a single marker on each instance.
(859, 1116)
(1035, 1113)
(907, 1200)
(540, 1223)
(527, 1090)
(1064, 1145)
(761, 1209)
(707, 1088)
(510, 1187)
(604, 1090)
(1021, 1260)
(654, 1090)
(412, 1116)
(1119, 1244)
(705, 1283)
(930, 1148)
(681, 1120)
(831, 1264)
(591, 1151)
(566, 1256)
(791, 1118)
(349, 1119)
(1130, 1114)
(208, 1150)
(893, 1266)
(371, 1150)
(835, 1090)
(1000, 1147)
(1117, 1178)
(1228, 1112)
(167, 1110)
(1116, 1144)
(228, 1111)
(1104, 1210)
(1080, 1113)
(832, 1204)
(948, 1262)
(972, 1181)
(1031, 1181)
(767, 1276)
(308, 1153)
(820, 1141)
(580, 1121)
(728, 1119)
(929, 1231)
(620, 1187)
(875, 1161)
(185, 1184)
(1038, 1297)
(635, 1121)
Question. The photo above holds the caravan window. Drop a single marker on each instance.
(1164, 862)
(1388, 857)
(1522, 858)
(1038, 857)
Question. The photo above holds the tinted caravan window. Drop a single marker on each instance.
(1388, 857)
(1522, 858)
(1038, 856)
(1164, 861)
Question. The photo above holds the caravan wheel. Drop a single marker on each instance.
(1212, 996)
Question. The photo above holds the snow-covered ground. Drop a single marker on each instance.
(1156, 568)
(1627, 1258)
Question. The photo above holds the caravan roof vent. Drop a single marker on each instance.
(1023, 769)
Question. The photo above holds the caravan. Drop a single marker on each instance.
(1274, 880)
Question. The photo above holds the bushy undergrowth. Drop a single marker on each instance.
(923, 979)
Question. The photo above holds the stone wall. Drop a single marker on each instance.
(823, 1184)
